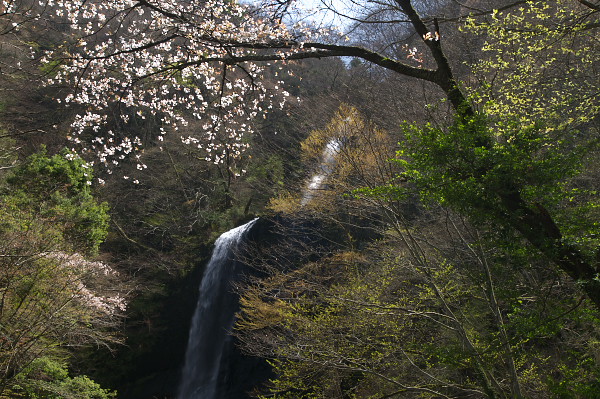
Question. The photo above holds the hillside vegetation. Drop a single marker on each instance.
(454, 235)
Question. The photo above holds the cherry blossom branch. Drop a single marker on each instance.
(165, 59)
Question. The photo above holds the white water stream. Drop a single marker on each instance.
(213, 318)
(317, 182)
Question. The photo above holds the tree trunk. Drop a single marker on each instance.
(538, 227)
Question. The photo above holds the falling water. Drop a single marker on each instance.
(325, 168)
(216, 307)
(213, 318)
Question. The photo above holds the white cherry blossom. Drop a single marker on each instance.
(173, 60)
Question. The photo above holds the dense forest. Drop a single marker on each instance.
(425, 172)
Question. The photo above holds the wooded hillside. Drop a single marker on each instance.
(428, 171)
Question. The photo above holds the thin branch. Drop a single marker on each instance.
(590, 5)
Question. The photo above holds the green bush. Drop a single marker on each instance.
(58, 188)
(48, 378)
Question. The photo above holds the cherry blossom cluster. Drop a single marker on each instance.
(17, 12)
(105, 304)
(83, 273)
(175, 61)
(413, 53)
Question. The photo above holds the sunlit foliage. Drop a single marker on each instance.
(539, 63)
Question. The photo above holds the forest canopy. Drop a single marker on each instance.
(456, 205)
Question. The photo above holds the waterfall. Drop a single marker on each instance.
(213, 318)
(204, 374)
(325, 168)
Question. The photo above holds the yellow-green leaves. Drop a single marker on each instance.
(540, 62)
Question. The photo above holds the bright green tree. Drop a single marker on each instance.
(513, 155)
(58, 188)
(489, 318)
(48, 378)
